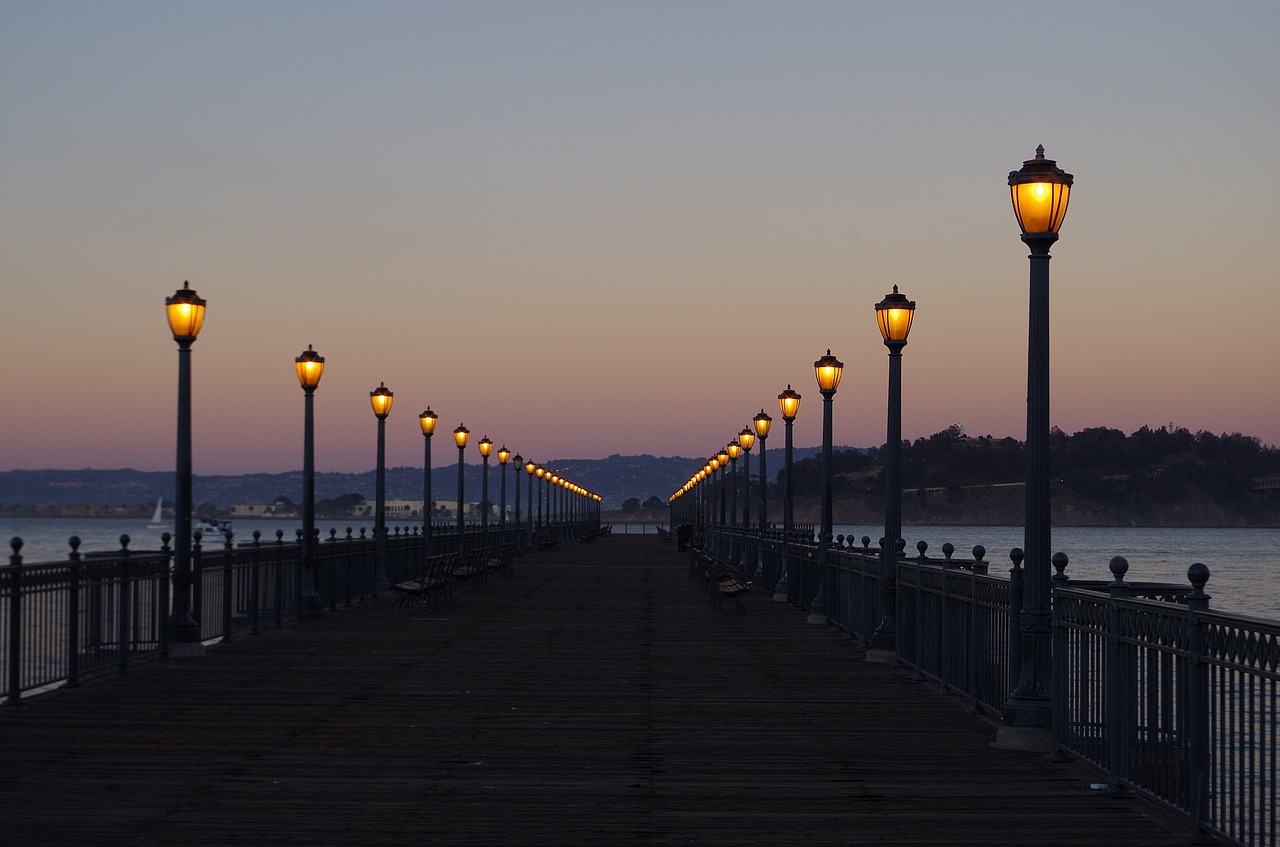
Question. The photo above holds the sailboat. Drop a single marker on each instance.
(157, 519)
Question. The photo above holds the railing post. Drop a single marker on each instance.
(1118, 707)
(73, 616)
(1016, 589)
(333, 569)
(164, 589)
(1198, 707)
(15, 622)
(197, 583)
(279, 580)
(300, 599)
(123, 637)
(255, 583)
(347, 569)
(1061, 716)
(228, 553)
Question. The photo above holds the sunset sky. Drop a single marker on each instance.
(586, 228)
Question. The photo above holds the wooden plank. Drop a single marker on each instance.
(593, 699)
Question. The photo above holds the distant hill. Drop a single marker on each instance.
(616, 479)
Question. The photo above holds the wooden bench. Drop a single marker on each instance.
(545, 540)
(472, 568)
(502, 560)
(722, 583)
(425, 584)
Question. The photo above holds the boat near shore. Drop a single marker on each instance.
(211, 526)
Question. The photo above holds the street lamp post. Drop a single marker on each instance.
(762, 422)
(310, 365)
(529, 467)
(486, 447)
(381, 399)
(515, 480)
(460, 436)
(504, 456)
(185, 311)
(828, 370)
(893, 315)
(747, 439)
(735, 450)
(428, 422)
(789, 405)
(541, 472)
(1040, 191)
(719, 487)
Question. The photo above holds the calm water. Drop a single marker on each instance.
(1244, 563)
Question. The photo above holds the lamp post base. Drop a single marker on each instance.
(1028, 739)
(186, 650)
(184, 643)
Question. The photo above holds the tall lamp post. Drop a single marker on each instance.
(460, 436)
(427, 420)
(515, 480)
(1040, 191)
(828, 370)
(747, 439)
(541, 472)
(486, 447)
(504, 456)
(893, 314)
(381, 399)
(789, 406)
(720, 462)
(735, 450)
(762, 422)
(185, 310)
(529, 467)
(310, 365)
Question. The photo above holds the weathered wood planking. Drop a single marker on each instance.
(592, 699)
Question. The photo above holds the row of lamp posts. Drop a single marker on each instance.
(185, 312)
(1039, 192)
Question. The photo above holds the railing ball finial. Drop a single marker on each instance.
(124, 541)
(1015, 555)
(948, 550)
(1119, 566)
(1198, 577)
(1060, 562)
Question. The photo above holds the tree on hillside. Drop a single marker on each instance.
(631, 504)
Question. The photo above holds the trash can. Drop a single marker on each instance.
(684, 532)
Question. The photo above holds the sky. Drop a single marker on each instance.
(587, 228)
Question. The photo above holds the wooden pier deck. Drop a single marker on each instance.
(591, 699)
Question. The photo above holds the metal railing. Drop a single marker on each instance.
(63, 622)
(1165, 697)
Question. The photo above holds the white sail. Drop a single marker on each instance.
(157, 519)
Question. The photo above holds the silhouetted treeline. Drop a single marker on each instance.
(1165, 476)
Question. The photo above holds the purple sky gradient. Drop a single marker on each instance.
(584, 229)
